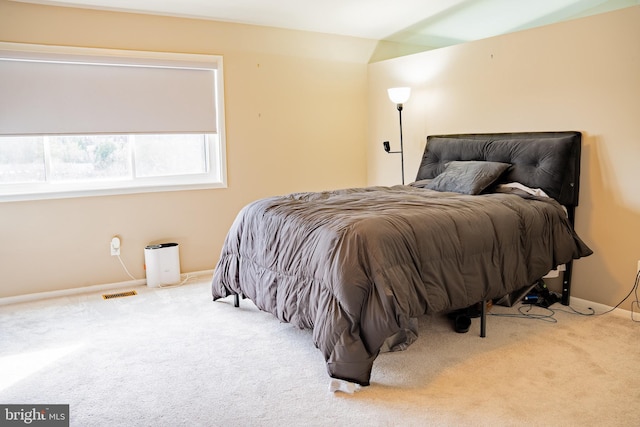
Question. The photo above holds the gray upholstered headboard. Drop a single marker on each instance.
(546, 160)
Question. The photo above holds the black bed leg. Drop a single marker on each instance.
(236, 300)
(566, 283)
(566, 276)
(483, 319)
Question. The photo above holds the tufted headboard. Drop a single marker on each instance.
(546, 160)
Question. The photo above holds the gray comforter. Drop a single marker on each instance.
(357, 265)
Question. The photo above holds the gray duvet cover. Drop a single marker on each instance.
(357, 265)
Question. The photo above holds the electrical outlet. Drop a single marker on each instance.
(115, 246)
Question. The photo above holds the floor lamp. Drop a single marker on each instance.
(398, 95)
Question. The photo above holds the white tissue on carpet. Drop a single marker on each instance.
(344, 386)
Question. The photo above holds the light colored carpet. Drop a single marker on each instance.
(172, 357)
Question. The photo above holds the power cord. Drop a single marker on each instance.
(549, 316)
(591, 312)
(125, 267)
(186, 279)
(186, 276)
(635, 303)
(525, 313)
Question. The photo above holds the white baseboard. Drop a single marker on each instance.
(86, 289)
(583, 304)
(577, 303)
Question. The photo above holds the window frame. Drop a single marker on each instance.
(216, 177)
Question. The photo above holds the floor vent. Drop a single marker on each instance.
(119, 295)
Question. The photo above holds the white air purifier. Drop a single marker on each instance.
(162, 264)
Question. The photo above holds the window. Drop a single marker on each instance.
(78, 122)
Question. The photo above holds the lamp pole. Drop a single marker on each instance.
(401, 145)
(398, 95)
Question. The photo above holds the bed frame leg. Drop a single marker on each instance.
(566, 276)
(566, 283)
(483, 319)
(236, 300)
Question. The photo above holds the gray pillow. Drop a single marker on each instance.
(468, 177)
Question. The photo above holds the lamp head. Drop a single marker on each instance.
(386, 146)
(399, 95)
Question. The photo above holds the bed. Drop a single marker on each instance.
(357, 266)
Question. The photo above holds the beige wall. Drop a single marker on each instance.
(580, 75)
(295, 120)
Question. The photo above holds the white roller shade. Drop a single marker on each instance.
(98, 91)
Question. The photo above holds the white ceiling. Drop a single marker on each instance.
(433, 23)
